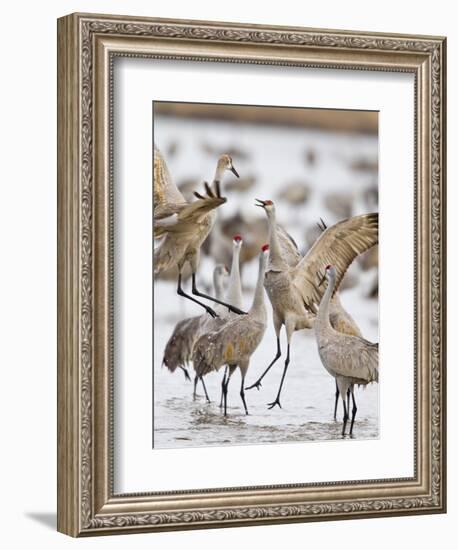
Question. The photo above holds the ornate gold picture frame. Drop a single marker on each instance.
(87, 46)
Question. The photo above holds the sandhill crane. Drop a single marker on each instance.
(235, 341)
(291, 281)
(184, 226)
(233, 297)
(178, 350)
(341, 321)
(349, 359)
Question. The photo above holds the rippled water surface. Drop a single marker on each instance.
(307, 399)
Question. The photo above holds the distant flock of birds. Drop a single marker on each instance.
(227, 336)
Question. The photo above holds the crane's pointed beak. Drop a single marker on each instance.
(234, 171)
(260, 203)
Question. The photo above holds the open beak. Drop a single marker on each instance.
(260, 203)
(234, 171)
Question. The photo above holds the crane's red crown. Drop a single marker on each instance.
(269, 202)
(237, 238)
(328, 267)
(265, 247)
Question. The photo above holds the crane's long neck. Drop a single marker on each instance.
(218, 285)
(234, 293)
(258, 307)
(219, 174)
(276, 261)
(322, 319)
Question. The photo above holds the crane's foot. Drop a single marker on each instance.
(256, 385)
(211, 312)
(236, 310)
(276, 402)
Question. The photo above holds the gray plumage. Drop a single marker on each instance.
(183, 226)
(178, 350)
(349, 359)
(340, 319)
(236, 340)
(292, 283)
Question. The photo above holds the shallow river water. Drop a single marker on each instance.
(307, 398)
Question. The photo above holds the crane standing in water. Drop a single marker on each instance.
(291, 281)
(236, 340)
(178, 350)
(349, 359)
(341, 321)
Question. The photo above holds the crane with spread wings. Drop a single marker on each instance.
(183, 226)
(292, 281)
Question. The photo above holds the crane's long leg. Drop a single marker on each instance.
(226, 385)
(243, 369)
(353, 411)
(336, 401)
(345, 417)
(258, 384)
(181, 292)
(277, 400)
(205, 389)
(197, 292)
(223, 381)
(194, 393)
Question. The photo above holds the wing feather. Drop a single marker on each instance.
(353, 357)
(338, 245)
(232, 343)
(199, 208)
(289, 249)
(166, 196)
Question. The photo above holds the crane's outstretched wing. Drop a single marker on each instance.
(289, 250)
(166, 196)
(353, 357)
(191, 213)
(339, 245)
